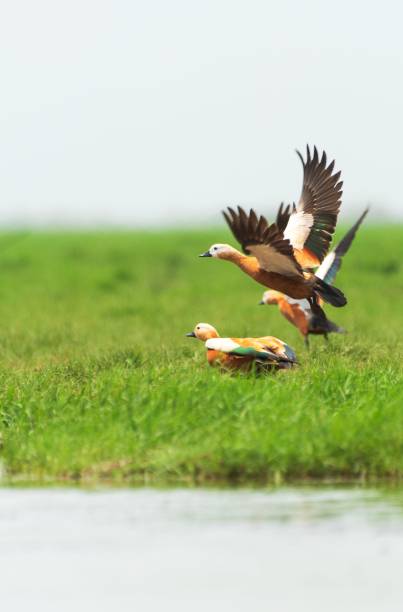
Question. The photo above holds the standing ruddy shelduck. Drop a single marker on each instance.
(299, 312)
(243, 353)
(277, 256)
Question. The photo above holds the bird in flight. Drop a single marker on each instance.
(264, 353)
(299, 312)
(281, 255)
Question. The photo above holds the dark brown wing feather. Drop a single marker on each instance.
(321, 195)
(320, 198)
(246, 229)
(265, 242)
(345, 242)
(283, 215)
(335, 257)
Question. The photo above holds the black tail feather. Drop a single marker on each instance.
(333, 327)
(320, 324)
(329, 294)
(318, 318)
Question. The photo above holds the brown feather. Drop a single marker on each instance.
(283, 216)
(320, 197)
(273, 252)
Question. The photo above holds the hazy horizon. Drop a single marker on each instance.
(152, 114)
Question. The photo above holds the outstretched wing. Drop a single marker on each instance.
(313, 221)
(332, 262)
(265, 242)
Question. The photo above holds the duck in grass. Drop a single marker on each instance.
(264, 353)
(299, 312)
(281, 255)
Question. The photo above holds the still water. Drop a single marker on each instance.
(291, 549)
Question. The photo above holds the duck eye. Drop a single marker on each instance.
(198, 327)
(215, 248)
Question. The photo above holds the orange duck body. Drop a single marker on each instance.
(298, 287)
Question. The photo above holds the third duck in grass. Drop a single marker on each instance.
(246, 354)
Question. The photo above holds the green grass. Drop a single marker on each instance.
(98, 380)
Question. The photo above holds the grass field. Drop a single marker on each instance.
(98, 380)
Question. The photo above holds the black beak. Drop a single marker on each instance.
(206, 254)
(191, 335)
(261, 303)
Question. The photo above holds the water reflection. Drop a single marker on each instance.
(285, 549)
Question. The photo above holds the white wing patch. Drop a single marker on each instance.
(298, 228)
(224, 345)
(325, 265)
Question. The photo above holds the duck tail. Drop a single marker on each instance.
(329, 294)
(320, 323)
(333, 327)
(318, 319)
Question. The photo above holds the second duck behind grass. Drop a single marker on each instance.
(299, 312)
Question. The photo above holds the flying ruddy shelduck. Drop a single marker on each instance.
(299, 312)
(244, 353)
(281, 257)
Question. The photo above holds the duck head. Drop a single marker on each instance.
(203, 331)
(221, 251)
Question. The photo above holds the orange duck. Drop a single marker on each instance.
(278, 255)
(299, 312)
(264, 353)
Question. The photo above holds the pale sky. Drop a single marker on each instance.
(163, 111)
